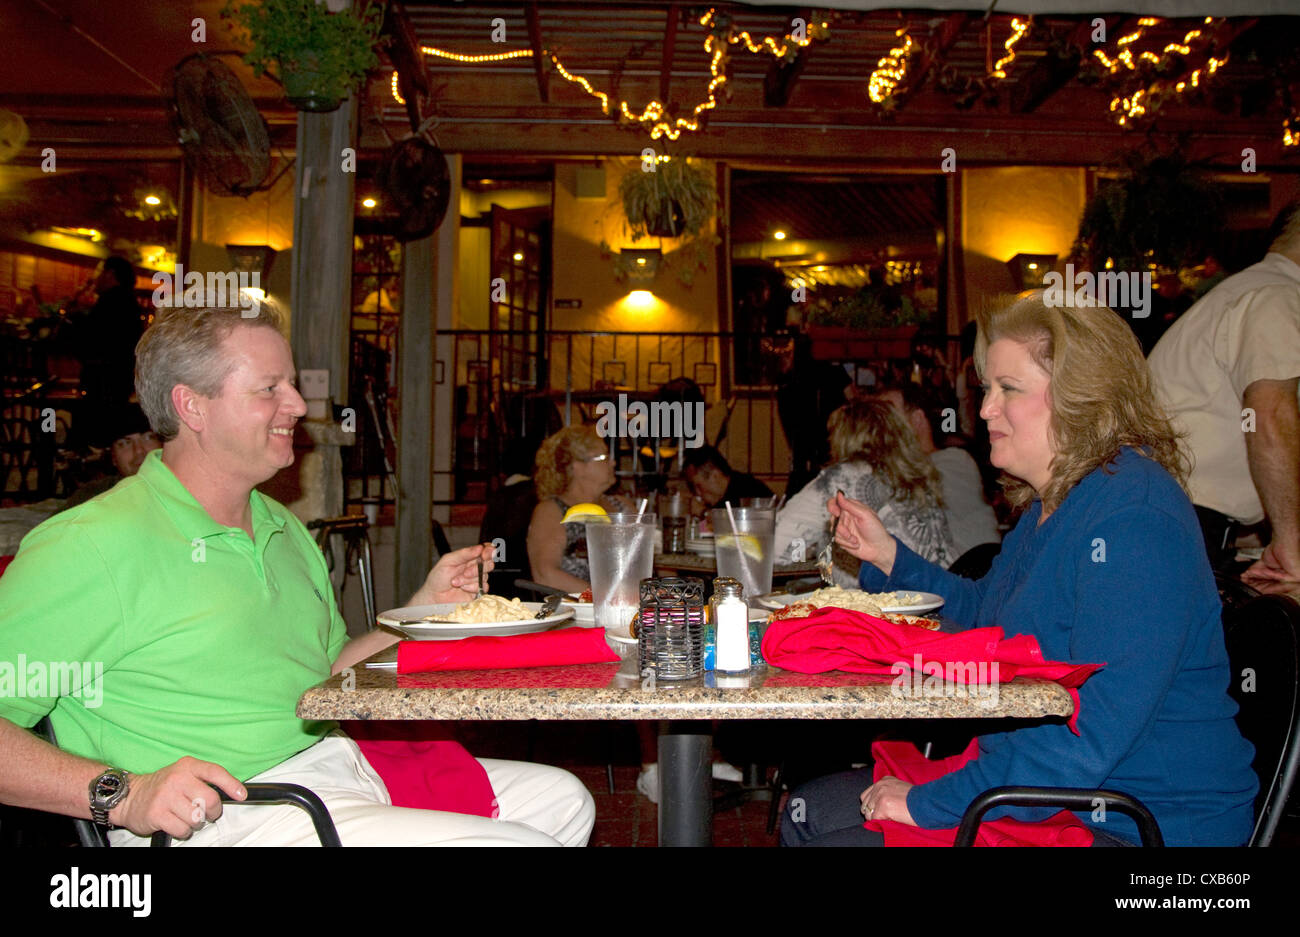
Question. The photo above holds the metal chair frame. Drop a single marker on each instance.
(354, 529)
(93, 836)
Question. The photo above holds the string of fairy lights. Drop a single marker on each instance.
(654, 116)
(1127, 107)
(1018, 29)
(892, 70)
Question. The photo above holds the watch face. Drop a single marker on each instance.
(108, 785)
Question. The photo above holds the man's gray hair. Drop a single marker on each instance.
(183, 346)
(1285, 230)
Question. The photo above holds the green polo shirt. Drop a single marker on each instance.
(204, 638)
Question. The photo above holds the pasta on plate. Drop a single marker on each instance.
(486, 609)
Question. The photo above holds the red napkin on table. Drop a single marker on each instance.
(540, 649)
(4, 563)
(839, 639)
(902, 760)
(422, 766)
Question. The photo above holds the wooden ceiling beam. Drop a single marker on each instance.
(934, 53)
(1025, 141)
(669, 52)
(779, 82)
(1056, 69)
(535, 40)
(404, 52)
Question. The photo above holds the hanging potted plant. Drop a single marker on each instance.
(1163, 214)
(677, 199)
(318, 55)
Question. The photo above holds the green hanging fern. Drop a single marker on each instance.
(676, 200)
(289, 37)
(1162, 211)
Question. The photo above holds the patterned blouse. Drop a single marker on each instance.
(574, 560)
(803, 525)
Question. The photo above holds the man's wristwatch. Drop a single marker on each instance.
(106, 792)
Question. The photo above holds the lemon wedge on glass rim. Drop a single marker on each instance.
(586, 511)
(747, 543)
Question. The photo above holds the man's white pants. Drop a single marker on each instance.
(538, 806)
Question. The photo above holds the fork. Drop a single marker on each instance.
(825, 561)
(478, 590)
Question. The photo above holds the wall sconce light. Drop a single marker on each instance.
(642, 264)
(251, 258)
(1028, 270)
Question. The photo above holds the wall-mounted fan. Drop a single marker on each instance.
(414, 173)
(223, 136)
(417, 182)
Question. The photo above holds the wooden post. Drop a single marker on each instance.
(415, 419)
(425, 387)
(322, 243)
(321, 285)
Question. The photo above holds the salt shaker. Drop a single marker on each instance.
(731, 622)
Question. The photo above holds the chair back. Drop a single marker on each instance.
(1261, 637)
(977, 561)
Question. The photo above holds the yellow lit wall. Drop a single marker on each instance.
(1015, 210)
(581, 272)
(476, 248)
(262, 218)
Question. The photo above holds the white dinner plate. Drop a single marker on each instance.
(583, 612)
(620, 636)
(929, 601)
(430, 631)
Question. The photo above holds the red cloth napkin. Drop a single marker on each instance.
(422, 766)
(839, 639)
(4, 563)
(540, 649)
(902, 760)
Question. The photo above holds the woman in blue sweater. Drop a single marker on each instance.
(1106, 565)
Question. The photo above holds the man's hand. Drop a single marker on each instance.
(178, 800)
(1279, 562)
(1289, 587)
(453, 577)
(861, 533)
(887, 800)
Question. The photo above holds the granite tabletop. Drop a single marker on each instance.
(373, 691)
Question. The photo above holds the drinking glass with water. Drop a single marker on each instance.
(620, 553)
(745, 552)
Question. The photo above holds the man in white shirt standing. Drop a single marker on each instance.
(1227, 372)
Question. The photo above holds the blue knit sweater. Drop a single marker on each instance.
(1116, 575)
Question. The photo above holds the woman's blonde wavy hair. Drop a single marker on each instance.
(557, 454)
(871, 431)
(1099, 391)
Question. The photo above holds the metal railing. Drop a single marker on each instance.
(500, 399)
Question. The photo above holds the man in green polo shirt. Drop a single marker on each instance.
(169, 626)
